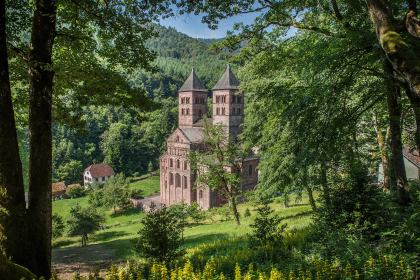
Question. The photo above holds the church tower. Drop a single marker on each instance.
(192, 102)
(228, 104)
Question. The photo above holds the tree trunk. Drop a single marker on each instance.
(13, 242)
(324, 183)
(311, 198)
(40, 144)
(382, 147)
(394, 110)
(403, 59)
(235, 211)
(415, 104)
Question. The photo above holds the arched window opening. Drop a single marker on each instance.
(177, 138)
(185, 166)
(182, 111)
(188, 111)
(233, 111)
(238, 111)
(223, 111)
(171, 163)
(233, 98)
(201, 194)
(177, 163)
(250, 169)
(239, 99)
(199, 113)
(171, 178)
(185, 182)
(218, 111)
(178, 181)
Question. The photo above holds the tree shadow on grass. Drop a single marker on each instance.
(198, 239)
(62, 243)
(297, 215)
(107, 235)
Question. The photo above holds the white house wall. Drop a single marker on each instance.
(411, 170)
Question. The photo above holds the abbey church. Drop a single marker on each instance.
(176, 179)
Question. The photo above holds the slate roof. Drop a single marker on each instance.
(201, 122)
(412, 155)
(192, 83)
(194, 135)
(227, 81)
(58, 187)
(100, 170)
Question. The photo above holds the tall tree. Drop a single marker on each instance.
(65, 58)
(211, 165)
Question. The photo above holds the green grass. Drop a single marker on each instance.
(117, 237)
(147, 187)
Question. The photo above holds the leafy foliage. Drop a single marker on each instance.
(58, 226)
(84, 221)
(117, 192)
(160, 237)
(75, 191)
(265, 228)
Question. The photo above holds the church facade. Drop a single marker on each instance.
(176, 177)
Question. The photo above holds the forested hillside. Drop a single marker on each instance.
(130, 143)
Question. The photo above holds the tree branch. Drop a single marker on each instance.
(18, 51)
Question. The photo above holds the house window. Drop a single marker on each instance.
(178, 181)
(103, 178)
(239, 99)
(201, 194)
(188, 111)
(182, 111)
(250, 169)
(185, 166)
(171, 178)
(185, 182)
(177, 163)
(171, 163)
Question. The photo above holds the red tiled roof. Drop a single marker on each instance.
(412, 155)
(59, 186)
(73, 185)
(100, 170)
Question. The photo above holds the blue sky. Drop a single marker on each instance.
(192, 26)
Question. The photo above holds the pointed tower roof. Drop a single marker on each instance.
(227, 81)
(192, 83)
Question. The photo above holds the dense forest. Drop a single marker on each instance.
(129, 142)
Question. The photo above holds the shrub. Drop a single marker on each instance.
(247, 213)
(84, 221)
(75, 191)
(160, 237)
(265, 228)
(57, 226)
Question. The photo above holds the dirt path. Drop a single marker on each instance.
(83, 260)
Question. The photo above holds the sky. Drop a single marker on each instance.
(192, 26)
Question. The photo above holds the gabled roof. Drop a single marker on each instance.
(59, 186)
(100, 170)
(412, 155)
(227, 81)
(194, 135)
(192, 83)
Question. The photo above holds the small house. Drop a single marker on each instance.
(411, 163)
(97, 173)
(58, 190)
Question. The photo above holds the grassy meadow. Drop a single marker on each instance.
(117, 236)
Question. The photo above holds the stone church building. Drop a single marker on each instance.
(176, 179)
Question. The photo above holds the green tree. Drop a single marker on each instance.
(45, 42)
(211, 165)
(160, 237)
(117, 192)
(75, 191)
(266, 229)
(83, 221)
(58, 226)
(150, 167)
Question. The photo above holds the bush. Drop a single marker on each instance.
(84, 221)
(75, 191)
(57, 226)
(195, 211)
(160, 237)
(265, 228)
(247, 213)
